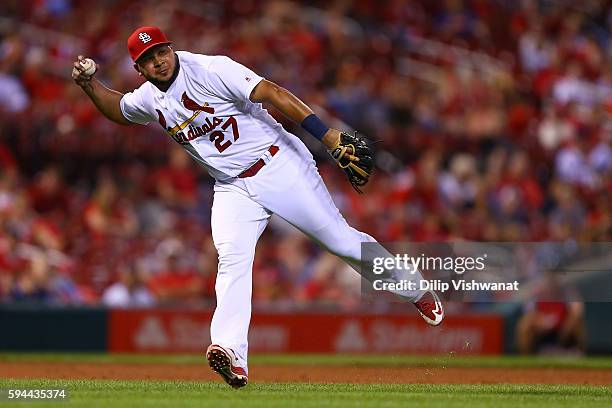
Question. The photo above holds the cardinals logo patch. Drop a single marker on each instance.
(192, 105)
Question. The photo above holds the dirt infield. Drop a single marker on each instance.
(311, 373)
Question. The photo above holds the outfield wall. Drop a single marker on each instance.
(185, 331)
(30, 328)
(55, 329)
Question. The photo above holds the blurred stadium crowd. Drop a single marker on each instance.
(494, 116)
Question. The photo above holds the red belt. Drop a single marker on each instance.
(254, 169)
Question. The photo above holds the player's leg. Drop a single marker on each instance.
(293, 189)
(237, 222)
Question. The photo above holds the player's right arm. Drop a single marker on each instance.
(106, 100)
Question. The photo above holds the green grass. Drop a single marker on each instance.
(193, 394)
(446, 360)
(104, 393)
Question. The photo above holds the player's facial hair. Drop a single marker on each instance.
(164, 85)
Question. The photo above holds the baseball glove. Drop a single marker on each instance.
(357, 171)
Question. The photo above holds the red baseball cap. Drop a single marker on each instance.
(144, 38)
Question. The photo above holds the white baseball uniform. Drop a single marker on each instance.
(207, 110)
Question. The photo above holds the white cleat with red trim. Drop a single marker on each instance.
(224, 362)
(430, 307)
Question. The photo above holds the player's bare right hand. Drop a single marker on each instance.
(80, 78)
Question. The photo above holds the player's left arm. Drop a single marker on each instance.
(292, 107)
(351, 152)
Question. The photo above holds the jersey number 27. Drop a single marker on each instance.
(218, 137)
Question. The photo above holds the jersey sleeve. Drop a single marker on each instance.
(134, 108)
(232, 80)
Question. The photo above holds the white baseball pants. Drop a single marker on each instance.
(290, 186)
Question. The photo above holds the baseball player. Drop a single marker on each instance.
(212, 107)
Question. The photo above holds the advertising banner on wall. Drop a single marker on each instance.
(186, 331)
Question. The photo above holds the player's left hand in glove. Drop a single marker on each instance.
(355, 157)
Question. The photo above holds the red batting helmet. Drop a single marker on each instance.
(144, 38)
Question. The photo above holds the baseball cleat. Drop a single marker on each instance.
(224, 363)
(430, 308)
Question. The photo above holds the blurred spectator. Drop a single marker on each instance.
(553, 130)
(33, 281)
(177, 282)
(572, 87)
(129, 291)
(555, 323)
(572, 165)
(106, 214)
(176, 183)
(458, 187)
(536, 52)
(550, 326)
(48, 193)
(13, 96)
